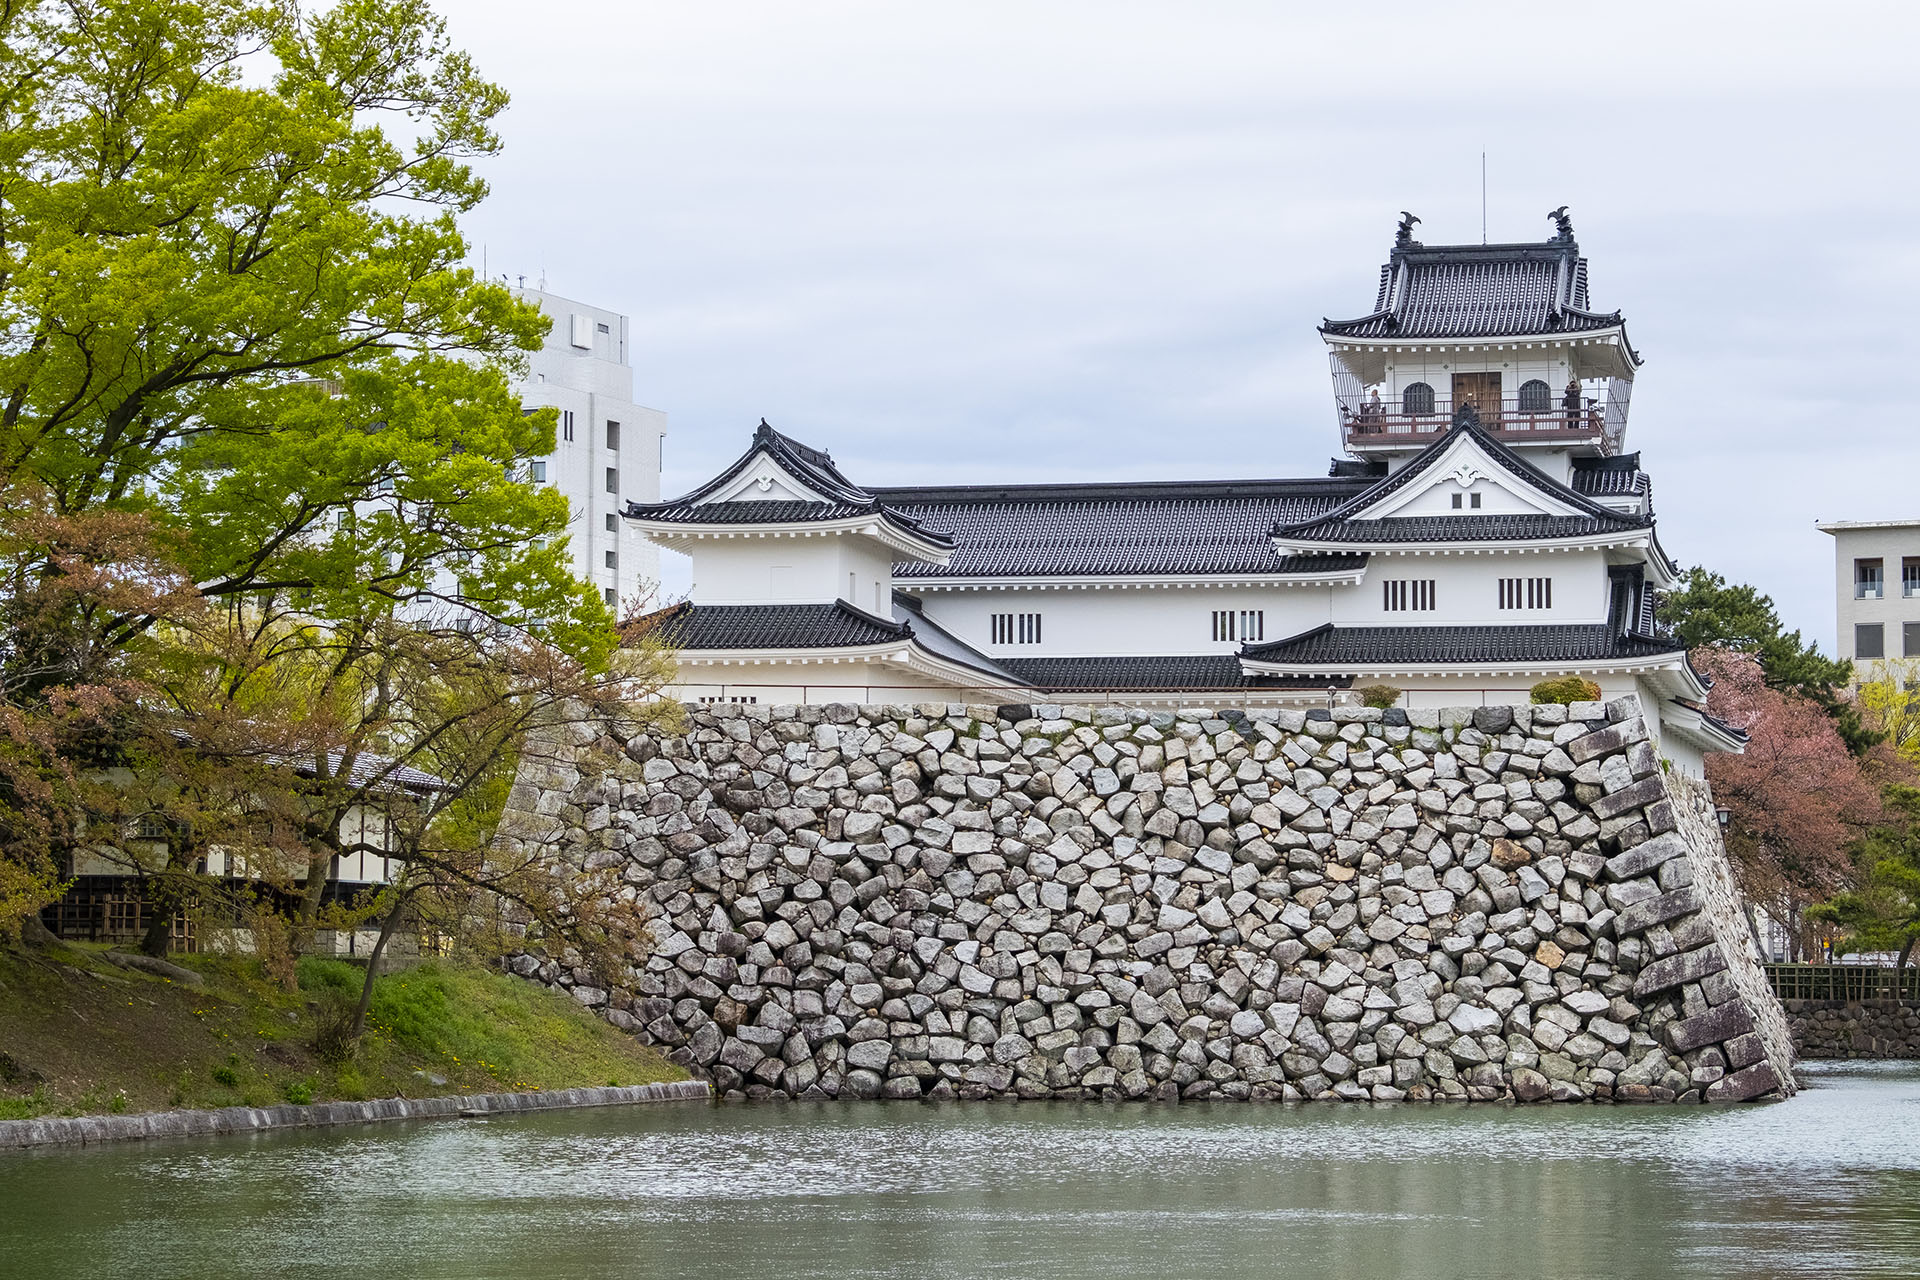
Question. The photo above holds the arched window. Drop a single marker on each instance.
(1417, 399)
(1535, 396)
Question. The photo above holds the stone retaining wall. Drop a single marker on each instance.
(55, 1130)
(1854, 1028)
(865, 901)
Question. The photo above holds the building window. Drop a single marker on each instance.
(603, 328)
(612, 597)
(1910, 576)
(1466, 499)
(566, 424)
(613, 436)
(1526, 593)
(1016, 628)
(1869, 640)
(1869, 579)
(537, 472)
(613, 523)
(1404, 594)
(1910, 639)
(613, 559)
(736, 701)
(613, 479)
(1239, 624)
(1535, 396)
(1417, 399)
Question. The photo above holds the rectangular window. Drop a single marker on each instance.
(1869, 640)
(613, 436)
(1253, 624)
(1223, 628)
(1457, 501)
(566, 424)
(613, 479)
(612, 598)
(1910, 639)
(1868, 579)
(1526, 593)
(1910, 576)
(613, 523)
(1016, 628)
(1403, 594)
(537, 472)
(613, 559)
(603, 328)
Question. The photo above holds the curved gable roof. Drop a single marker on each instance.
(1349, 523)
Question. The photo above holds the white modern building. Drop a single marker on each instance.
(1876, 576)
(607, 448)
(1485, 531)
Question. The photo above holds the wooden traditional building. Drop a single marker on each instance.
(1485, 530)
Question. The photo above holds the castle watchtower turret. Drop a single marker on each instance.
(1504, 328)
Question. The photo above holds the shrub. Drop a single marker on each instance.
(333, 1037)
(1566, 689)
(226, 1076)
(299, 1093)
(1378, 695)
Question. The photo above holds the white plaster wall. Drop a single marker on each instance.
(793, 569)
(1146, 621)
(1466, 590)
(1437, 368)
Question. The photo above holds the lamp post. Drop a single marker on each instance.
(1723, 813)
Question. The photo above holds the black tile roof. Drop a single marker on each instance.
(1465, 527)
(1365, 647)
(1175, 674)
(1203, 527)
(1341, 525)
(1479, 291)
(774, 512)
(812, 467)
(1617, 476)
(773, 626)
(815, 626)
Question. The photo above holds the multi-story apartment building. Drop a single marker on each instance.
(1877, 589)
(607, 448)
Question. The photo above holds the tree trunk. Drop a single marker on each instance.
(308, 910)
(387, 928)
(1905, 953)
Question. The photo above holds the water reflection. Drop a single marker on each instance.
(1827, 1184)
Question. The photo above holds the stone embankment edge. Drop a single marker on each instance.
(54, 1131)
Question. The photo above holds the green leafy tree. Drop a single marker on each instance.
(1883, 913)
(1703, 609)
(257, 436)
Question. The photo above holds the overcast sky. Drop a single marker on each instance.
(1066, 241)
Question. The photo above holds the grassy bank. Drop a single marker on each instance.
(81, 1036)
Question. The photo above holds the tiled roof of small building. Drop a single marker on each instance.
(770, 512)
(1174, 674)
(773, 626)
(1479, 291)
(1612, 477)
(1368, 647)
(1068, 530)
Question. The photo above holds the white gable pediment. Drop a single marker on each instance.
(1466, 471)
(764, 480)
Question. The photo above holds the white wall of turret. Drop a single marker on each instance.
(793, 569)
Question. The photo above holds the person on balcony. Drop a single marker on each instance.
(1570, 403)
(1372, 412)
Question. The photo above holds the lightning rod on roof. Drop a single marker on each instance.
(1483, 197)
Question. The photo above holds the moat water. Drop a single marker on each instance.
(1827, 1184)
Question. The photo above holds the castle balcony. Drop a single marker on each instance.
(1597, 419)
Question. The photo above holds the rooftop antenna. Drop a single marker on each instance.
(1483, 197)
(523, 280)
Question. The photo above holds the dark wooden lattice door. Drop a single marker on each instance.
(1482, 391)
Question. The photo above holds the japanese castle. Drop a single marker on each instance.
(1486, 530)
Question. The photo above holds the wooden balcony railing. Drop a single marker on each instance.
(1394, 422)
